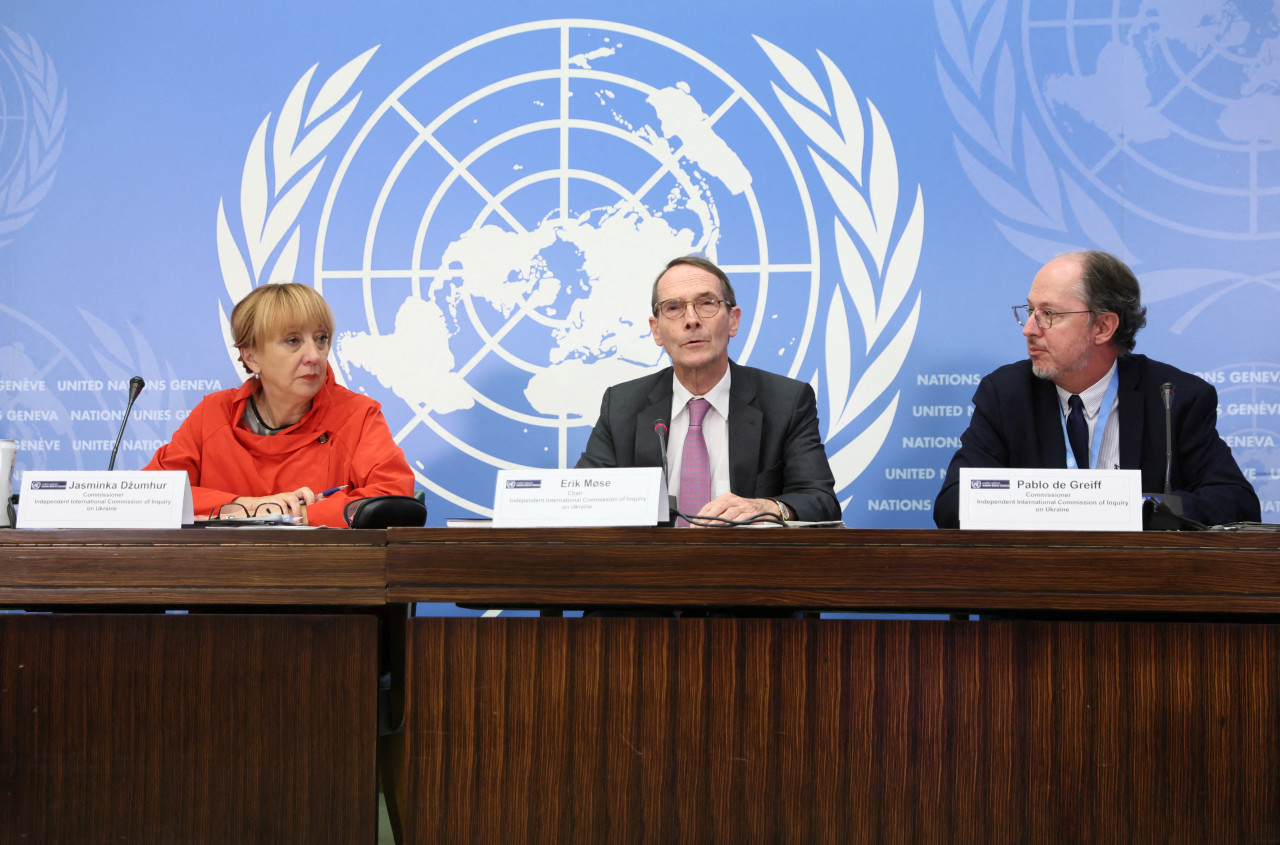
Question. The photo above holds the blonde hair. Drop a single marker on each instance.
(272, 310)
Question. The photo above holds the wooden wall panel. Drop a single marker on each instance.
(742, 730)
(192, 729)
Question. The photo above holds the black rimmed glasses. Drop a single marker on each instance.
(705, 307)
(235, 510)
(1044, 317)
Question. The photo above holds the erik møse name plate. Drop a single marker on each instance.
(531, 498)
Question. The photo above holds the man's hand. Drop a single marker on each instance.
(734, 507)
(292, 502)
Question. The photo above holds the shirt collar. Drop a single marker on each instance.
(1091, 396)
(718, 396)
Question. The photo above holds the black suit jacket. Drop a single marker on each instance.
(775, 450)
(1017, 422)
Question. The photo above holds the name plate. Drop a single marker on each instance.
(1051, 499)
(573, 498)
(82, 499)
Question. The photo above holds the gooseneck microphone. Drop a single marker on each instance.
(660, 429)
(1167, 511)
(135, 387)
(1166, 395)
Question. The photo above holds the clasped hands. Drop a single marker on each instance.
(729, 506)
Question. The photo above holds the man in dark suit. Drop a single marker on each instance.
(1081, 317)
(762, 447)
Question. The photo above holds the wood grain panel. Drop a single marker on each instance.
(192, 729)
(741, 730)
(193, 566)
(978, 571)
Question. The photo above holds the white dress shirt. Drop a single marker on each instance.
(715, 431)
(1109, 457)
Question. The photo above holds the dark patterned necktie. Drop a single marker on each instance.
(1078, 431)
(695, 466)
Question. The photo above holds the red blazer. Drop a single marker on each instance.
(343, 439)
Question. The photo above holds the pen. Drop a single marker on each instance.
(331, 491)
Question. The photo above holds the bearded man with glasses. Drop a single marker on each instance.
(1083, 399)
(743, 441)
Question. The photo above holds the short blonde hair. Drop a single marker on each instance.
(272, 310)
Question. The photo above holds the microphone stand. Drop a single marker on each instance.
(135, 388)
(1164, 511)
(660, 429)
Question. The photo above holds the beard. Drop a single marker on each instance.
(1052, 371)
(1045, 371)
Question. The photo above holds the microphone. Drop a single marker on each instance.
(135, 387)
(1165, 511)
(1166, 395)
(660, 429)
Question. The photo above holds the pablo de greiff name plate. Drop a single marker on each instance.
(571, 498)
(1051, 499)
(121, 499)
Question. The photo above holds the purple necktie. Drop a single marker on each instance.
(695, 466)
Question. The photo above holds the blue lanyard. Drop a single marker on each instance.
(1108, 402)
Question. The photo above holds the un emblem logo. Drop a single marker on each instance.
(490, 235)
(1199, 105)
(33, 111)
(1163, 109)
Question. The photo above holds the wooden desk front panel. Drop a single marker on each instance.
(192, 729)
(807, 731)
(971, 571)
(264, 566)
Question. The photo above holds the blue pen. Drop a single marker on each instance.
(331, 491)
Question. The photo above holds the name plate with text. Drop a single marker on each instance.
(1051, 499)
(122, 499)
(571, 498)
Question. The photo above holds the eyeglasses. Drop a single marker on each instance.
(705, 307)
(1044, 317)
(235, 510)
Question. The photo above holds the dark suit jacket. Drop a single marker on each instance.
(775, 450)
(1017, 422)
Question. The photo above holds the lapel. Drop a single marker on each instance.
(746, 421)
(1048, 416)
(1132, 414)
(646, 448)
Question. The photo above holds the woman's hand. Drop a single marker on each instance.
(292, 502)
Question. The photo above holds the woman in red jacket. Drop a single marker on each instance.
(288, 433)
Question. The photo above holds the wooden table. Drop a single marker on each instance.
(120, 723)
(1152, 716)
(1145, 708)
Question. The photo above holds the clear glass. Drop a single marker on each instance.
(705, 307)
(1044, 317)
(235, 510)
